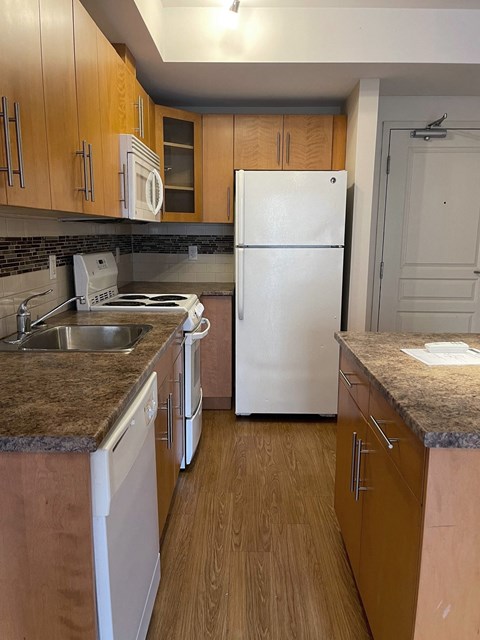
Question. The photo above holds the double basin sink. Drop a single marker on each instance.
(73, 337)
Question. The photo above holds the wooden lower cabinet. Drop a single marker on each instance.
(217, 353)
(412, 538)
(390, 545)
(351, 430)
(169, 426)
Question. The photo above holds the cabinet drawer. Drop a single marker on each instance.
(355, 381)
(407, 452)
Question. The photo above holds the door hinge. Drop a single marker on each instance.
(388, 165)
(381, 269)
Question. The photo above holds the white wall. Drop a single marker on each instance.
(362, 114)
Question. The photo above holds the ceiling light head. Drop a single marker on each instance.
(234, 6)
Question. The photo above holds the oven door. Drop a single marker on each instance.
(193, 388)
(145, 190)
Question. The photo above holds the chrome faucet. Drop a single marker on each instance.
(24, 321)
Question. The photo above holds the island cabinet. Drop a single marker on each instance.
(217, 353)
(169, 425)
(22, 109)
(408, 518)
(217, 167)
(179, 145)
(289, 142)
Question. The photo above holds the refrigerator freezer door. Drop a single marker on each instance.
(283, 208)
(286, 355)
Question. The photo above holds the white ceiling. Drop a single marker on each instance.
(262, 84)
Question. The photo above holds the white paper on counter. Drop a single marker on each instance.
(449, 359)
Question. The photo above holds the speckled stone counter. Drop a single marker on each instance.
(199, 288)
(69, 401)
(440, 404)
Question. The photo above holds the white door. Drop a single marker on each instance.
(288, 308)
(301, 208)
(431, 234)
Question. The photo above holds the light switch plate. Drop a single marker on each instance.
(192, 252)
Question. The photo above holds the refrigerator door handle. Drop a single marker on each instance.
(240, 207)
(240, 283)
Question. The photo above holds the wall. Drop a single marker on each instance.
(362, 115)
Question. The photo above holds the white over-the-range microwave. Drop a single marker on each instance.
(142, 184)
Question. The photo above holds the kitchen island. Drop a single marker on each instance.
(56, 408)
(408, 468)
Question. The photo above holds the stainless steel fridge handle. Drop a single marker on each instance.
(240, 283)
(240, 208)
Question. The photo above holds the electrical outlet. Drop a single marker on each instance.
(52, 267)
(117, 255)
(192, 252)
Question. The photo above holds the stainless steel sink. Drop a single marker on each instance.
(108, 337)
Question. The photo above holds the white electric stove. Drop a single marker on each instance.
(96, 279)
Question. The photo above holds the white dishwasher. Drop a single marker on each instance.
(125, 521)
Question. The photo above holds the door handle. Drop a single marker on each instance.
(388, 441)
(8, 147)
(288, 149)
(228, 203)
(240, 284)
(123, 173)
(90, 164)
(18, 133)
(352, 462)
(278, 147)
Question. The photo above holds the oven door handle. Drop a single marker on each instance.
(199, 335)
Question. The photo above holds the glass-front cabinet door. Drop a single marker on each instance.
(179, 144)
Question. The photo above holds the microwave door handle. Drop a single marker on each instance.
(157, 182)
(149, 192)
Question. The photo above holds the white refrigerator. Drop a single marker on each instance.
(289, 245)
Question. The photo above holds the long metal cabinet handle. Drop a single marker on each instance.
(90, 164)
(170, 420)
(228, 203)
(352, 462)
(83, 153)
(278, 147)
(18, 131)
(388, 441)
(358, 488)
(8, 148)
(137, 105)
(348, 382)
(288, 148)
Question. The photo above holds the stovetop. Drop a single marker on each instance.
(155, 301)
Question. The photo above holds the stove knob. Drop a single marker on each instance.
(150, 412)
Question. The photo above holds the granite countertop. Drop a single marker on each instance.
(70, 401)
(440, 404)
(199, 288)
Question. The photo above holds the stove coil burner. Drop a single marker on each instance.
(165, 297)
(162, 304)
(123, 303)
(133, 296)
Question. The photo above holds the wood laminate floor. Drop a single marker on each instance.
(252, 548)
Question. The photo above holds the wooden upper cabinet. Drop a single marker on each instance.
(307, 142)
(60, 91)
(21, 83)
(218, 168)
(88, 101)
(112, 80)
(179, 145)
(290, 142)
(258, 142)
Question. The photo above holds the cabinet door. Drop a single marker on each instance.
(216, 353)
(258, 142)
(88, 101)
(61, 104)
(163, 449)
(21, 82)
(307, 142)
(112, 74)
(218, 168)
(390, 547)
(179, 145)
(351, 431)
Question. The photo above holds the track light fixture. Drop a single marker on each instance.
(234, 6)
